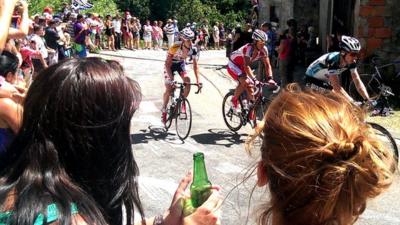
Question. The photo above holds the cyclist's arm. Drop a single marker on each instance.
(268, 68)
(359, 85)
(337, 87)
(168, 64)
(247, 68)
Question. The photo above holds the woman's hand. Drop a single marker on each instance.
(175, 211)
(208, 213)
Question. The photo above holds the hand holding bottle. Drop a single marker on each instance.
(207, 213)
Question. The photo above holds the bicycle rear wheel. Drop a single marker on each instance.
(385, 136)
(183, 120)
(233, 120)
(372, 85)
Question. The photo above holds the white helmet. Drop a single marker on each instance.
(259, 35)
(187, 34)
(349, 44)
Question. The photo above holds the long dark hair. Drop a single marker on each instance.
(74, 145)
(8, 63)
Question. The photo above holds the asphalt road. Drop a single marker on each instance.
(163, 159)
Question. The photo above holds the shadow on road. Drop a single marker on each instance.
(154, 133)
(220, 137)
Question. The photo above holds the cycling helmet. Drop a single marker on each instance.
(259, 35)
(187, 34)
(349, 44)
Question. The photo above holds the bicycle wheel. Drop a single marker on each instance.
(233, 120)
(183, 120)
(372, 85)
(385, 136)
(259, 111)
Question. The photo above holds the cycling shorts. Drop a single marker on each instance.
(235, 71)
(179, 67)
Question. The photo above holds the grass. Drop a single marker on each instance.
(391, 122)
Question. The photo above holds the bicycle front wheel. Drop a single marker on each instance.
(371, 84)
(258, 114)
(183, 120)
(232, 118)
(385, 136)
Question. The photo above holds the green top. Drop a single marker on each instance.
(52, 215)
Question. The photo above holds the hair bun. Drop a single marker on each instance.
(344, 150)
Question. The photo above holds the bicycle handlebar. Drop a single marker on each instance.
(177, 84)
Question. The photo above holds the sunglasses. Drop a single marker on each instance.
(352, 54)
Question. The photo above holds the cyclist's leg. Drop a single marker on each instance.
(168, 88)
(235, 72)
(186, 79)
(249, 85)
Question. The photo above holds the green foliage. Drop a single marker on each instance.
(229, 12)
(102, 7)
(37, 6)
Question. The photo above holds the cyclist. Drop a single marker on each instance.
(240, 61)
(324, 72)
(176, 62)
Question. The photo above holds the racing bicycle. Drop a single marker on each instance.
(247, 113)
(179, 109)
(377, 85)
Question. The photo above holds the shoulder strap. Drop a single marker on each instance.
(52, 214)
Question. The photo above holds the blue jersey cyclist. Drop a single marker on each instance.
(328, 67)
(176, 62)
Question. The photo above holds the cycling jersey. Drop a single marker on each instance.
(236, 60)
(328, 65)
(179, 55)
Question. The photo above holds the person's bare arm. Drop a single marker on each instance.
(11, 112)
(6, 11)
(337, 87)
(360, 85)
(23, 28)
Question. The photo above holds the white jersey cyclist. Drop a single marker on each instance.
(328, 65)
(327, 68)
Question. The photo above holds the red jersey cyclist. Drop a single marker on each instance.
(176, 62)
(240, 61)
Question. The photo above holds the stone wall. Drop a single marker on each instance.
(379, 28)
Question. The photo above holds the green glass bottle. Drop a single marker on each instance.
(201, 186)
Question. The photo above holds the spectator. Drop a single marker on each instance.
(206, 34)
(6, 12)
(65, 146)
(117, 23)
(110, 33)
(319, 168)
(51, 36)
(127, 34)
(147, 32)
(28, 52)
(10, 109)
(136, 33)
(169, 31)
(161, 41)
(287, 59)
(267, 28)
(215, 34)
(156, 35)
(222, 35)
(38, 64)
(81, 31)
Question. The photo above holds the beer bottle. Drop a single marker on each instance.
(201, 187)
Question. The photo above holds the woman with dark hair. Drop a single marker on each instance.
(72, 161)
(10, 110)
